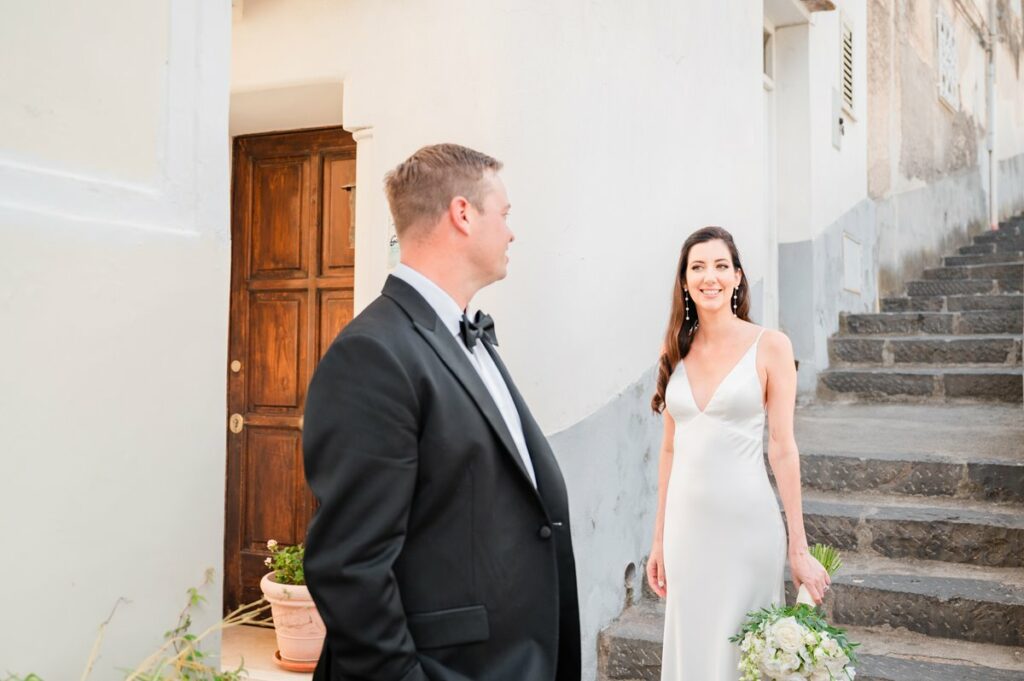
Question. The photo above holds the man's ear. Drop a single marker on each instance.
(458, 212)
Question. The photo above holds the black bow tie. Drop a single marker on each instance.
(481, 327)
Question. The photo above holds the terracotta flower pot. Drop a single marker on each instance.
(300, 631)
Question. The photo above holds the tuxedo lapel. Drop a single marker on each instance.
(544, 463)
(448, 350)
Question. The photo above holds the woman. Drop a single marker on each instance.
(719, 543)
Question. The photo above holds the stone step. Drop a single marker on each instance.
(983, 259)
(977, 249)
(940, 323)
(1009, 246)
(922, 384)
(913, 475)
(1005, 246)
(950, 287)
(932, 528)
(946, 600)
(630, 649)
(887, 654)
(921, 349)
(954, 303)
(1003, 242)
(1013, 273)
(996, 236)
(931, 432)
(913, 449)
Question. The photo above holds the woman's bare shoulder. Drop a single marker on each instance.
(776, 343)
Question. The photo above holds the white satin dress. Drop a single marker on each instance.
(724, 540)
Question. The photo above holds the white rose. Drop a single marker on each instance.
(820, 675)
(836, 664)
(769, 665)
(789, 662)
(793, 677)
(271, 544)
(832, 648)
(788, 634)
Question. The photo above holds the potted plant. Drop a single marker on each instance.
(299, 628)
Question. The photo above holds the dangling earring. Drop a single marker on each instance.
(686, 303)
(734, 300)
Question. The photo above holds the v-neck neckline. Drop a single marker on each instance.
(714, 393)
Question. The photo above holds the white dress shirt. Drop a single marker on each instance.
(448, 310)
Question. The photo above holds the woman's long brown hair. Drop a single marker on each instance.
(680, 332)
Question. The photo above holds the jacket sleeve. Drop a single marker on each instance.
(360, 452)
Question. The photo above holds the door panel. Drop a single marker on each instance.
(279, 190)
(339, 214)
(335, 313)
(277, 331)
(291, 293)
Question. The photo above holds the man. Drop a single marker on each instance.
(441, 547)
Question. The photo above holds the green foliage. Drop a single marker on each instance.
(828, 556)
(286, 562)
(805, 615)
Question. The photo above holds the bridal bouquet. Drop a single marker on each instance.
(795, 643)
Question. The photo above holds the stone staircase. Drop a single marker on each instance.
(912, 463)
(955, 336)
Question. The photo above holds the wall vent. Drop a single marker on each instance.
(846, 68)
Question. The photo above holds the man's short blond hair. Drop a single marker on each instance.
(422, 187)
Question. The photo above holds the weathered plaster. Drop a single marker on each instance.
(610, 463)
(934, 140)
(916, 228)
(879, 101)
(1011, 186)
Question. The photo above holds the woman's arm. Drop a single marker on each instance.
(655, 564)
(785, 460)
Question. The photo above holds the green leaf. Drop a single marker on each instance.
(828, 556)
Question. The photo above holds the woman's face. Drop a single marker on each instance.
(710, 276)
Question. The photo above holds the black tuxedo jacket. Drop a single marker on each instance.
(431, 556)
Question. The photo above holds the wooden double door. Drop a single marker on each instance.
(292, 266)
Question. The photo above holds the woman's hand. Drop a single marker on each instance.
(807, 571)
(656, 570)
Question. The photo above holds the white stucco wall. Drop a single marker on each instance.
(839, 177)
(64, 113)
(618, 124)
(821, 188)
(114, 276)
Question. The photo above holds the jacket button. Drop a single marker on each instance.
(545, 532)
